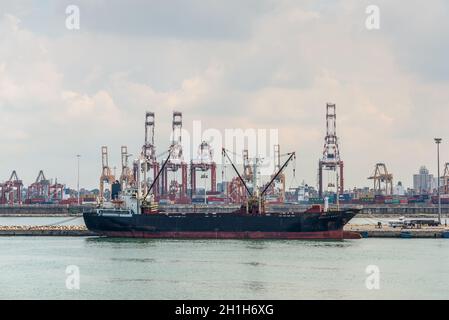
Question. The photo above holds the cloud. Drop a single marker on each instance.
(419, 35)
(100, 106)
(269, 64)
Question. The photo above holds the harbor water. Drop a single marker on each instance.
(39, 268)
(78, 221)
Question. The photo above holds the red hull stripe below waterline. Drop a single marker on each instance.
(337, 234)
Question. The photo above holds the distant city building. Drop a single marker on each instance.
(364, 192)
(398, 190)
(409, 192)
(423, 182)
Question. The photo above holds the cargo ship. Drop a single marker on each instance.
(137, 217)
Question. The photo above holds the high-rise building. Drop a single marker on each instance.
(423, 182)
(398, 190)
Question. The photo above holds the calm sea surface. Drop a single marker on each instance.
(35, 268)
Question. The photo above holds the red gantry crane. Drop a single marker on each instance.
(174, 190)
(237, 190)
(39, 190)
(56, 191)
(203, 164)
(11, 190)
(276, 192)
(149, 162)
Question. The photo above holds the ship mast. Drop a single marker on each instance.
(237, 172)
(292, 154)
(255, 196)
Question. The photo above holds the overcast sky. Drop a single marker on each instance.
(231, 64)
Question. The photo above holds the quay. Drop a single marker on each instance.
(41, 210)
(371, 231)
(62, 231)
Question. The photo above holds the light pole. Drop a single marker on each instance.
(438, 141)
(78, 178)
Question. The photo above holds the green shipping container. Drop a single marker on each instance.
(392, 201)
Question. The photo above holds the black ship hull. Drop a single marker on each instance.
(304, 225)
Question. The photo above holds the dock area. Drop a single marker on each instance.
(62, 231)
(371, 231)
(41, 210)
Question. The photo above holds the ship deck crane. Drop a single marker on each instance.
(236, 192)
(277, 189)
(158, 174)
(291, 155)
(237, 172)
(256, 202)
